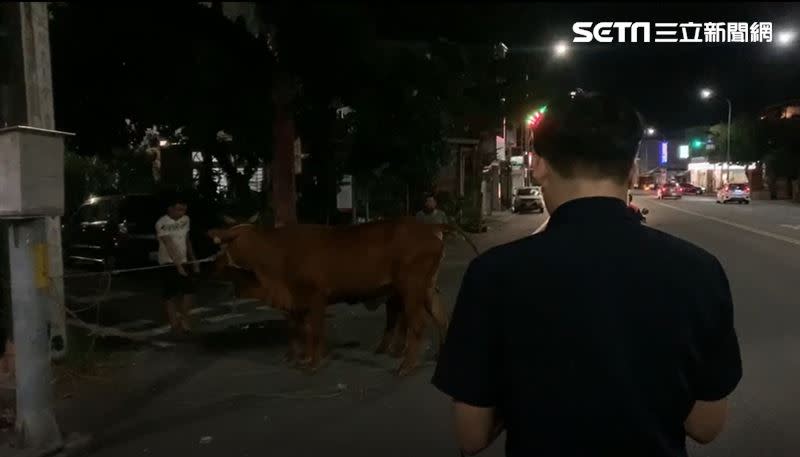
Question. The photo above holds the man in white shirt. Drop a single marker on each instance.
(175, 248)
(430, 214)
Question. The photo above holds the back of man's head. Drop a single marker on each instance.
(590, 136)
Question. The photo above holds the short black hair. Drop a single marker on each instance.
(174, 199)
(589, 134)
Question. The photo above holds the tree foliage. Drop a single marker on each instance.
(747, 140)
(120, 71)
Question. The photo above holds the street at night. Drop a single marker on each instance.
(235, 389)
(248, 228)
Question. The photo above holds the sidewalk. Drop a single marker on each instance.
(229, 392)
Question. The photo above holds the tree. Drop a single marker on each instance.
(186, 70)
(747, 144)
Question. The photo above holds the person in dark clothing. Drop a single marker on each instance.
(594, 363)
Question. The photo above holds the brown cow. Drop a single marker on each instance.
(247, 286)
(303, 268)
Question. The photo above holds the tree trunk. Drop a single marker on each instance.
(283, 178)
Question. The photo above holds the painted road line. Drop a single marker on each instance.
(793, 227)
(239, 301)
(223, 317)
(199, 310)
(746, 228)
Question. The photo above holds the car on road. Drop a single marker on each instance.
(527, 199)
(669, 190)
(114, 230)
(734, 193)
(691, 189)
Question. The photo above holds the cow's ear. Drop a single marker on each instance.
(253, 219)
(229, 220)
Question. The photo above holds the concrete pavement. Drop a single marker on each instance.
(229, 392)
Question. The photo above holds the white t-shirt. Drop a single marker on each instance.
(177, 230)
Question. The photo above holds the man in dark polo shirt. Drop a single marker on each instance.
(565, 340)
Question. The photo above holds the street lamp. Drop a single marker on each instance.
(650, 131)
(785, 37)
(706, 94)
(560, 49)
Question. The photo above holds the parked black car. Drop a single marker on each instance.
(118, 231)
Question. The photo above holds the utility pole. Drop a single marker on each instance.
(32, 170)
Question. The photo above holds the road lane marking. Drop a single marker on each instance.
(223, 317)
(793, 227)
(746, 228)
(199, 310)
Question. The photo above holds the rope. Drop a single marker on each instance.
(130, 270)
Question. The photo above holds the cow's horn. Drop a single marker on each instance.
(229, 220)
(253, 218)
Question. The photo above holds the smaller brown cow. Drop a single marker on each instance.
(303, 268)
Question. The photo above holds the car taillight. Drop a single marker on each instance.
(747, 189)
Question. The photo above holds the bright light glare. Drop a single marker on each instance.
(786, 37)
(650, 131)
(560, 49)
(706, 93)
(163, 143)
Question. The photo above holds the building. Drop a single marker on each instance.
(662, 159)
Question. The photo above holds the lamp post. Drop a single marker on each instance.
(706, 94)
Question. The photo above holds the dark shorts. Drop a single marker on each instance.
(175, 284)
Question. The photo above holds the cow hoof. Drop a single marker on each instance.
(402, 372)
(396, 351)
(381, 349)
(289, 359)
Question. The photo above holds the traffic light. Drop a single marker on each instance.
(697, 143)
(536, 116)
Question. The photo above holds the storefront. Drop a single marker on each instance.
(712, 176)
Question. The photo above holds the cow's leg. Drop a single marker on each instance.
(440, 318)
(414, 301)
(393, 314)
(315, 337)
(397, 347)
(295, 327)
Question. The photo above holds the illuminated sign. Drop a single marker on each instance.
(683, 151)
(664, 154)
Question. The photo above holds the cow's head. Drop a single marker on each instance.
(224, 236)
(229, 232)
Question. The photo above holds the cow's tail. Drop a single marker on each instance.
(455, 228)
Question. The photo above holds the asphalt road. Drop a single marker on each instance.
(229, 394)
(759, 246)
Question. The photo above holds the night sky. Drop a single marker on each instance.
(662, 79)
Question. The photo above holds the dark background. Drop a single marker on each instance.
(662, 79)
